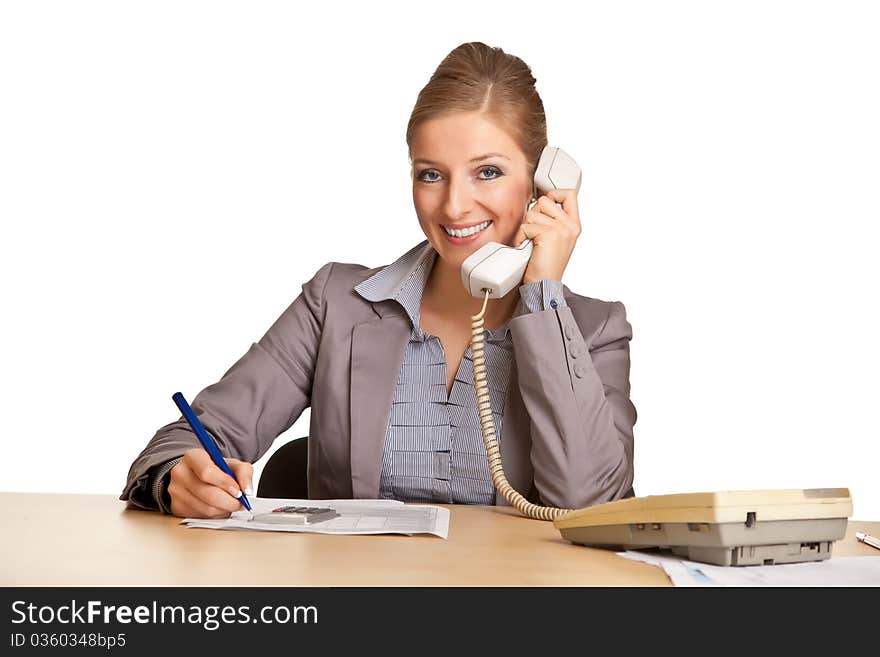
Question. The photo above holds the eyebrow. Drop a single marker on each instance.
(475, 159)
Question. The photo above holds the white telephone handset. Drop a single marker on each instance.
(490, 272)
(499, 268)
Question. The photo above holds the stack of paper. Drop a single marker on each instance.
(836, 571)
(355, 517)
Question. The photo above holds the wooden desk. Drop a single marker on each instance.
(93, 540)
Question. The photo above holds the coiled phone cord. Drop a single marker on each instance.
(487, 425)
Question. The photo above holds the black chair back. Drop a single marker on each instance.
(285, 473)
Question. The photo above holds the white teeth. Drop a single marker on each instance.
(467, 231)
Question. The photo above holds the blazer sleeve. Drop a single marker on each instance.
(256, 400)
(577, 397)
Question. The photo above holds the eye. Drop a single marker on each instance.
(492, 170)
(427, 172)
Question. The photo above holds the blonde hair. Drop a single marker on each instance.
(477, 78)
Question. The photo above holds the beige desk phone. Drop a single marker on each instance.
(725, 528)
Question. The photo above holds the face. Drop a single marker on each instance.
(466, 172)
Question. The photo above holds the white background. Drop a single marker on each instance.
(172, 172)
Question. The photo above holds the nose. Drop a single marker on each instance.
(459, 199)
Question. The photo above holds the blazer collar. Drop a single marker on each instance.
(403, 281)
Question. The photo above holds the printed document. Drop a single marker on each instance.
(355, 517)
(836, 571)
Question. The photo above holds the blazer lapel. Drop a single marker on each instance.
(377, 350)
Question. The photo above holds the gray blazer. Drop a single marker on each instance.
(567, 435)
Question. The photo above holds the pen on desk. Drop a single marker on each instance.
(868, 539)
(207, 441)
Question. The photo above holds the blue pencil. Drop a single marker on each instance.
(206, 440)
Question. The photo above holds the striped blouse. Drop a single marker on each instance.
(434, 449)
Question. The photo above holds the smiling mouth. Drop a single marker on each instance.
(469, 230)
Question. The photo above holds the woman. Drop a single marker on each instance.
(382, 355)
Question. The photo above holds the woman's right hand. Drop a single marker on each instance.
(199, 489)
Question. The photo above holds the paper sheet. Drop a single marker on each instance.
(355, 517)
(836, 571)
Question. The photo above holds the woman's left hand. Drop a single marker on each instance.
(554, 231)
